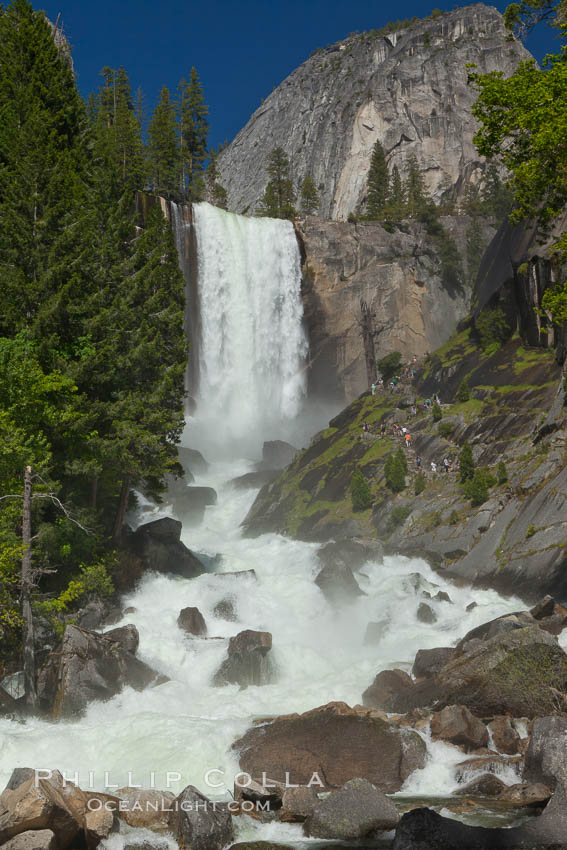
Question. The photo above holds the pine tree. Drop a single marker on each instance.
(466, 463)
(278, 198)
(396, 208)
(378, 183)
(416, 192)
(360, 494)
(395, 472)
(42, 161)
(464, 392)
(309, 200)
(163, 149)
(117, 131)
(194, 131)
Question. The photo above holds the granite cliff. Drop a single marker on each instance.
(407, 88)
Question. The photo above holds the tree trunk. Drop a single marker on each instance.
(27, 584)
(122, 505)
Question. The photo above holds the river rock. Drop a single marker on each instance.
(354, 811)
(277, 454)
(526, 794)
(351, 553)
(43, 804)
(517, 672)
(487, 785)
(191, 503)
(329, 745)
(192, 461)
(457, 725)
(147, 809)
(18, 776)
(338, 584)
(386, 685)
(546, 756)
(127, 636)
(90, 666)
(550, 615)
(199, 824)
(192, 622)
(426, 614)
(225, 609)
(269, 794)
(255, 480)
(429, 662)
(424, 829)
(159, 547)
(248, 662)
(298, 804)
(36, 839)
(505, 737)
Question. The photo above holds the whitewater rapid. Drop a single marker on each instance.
(186, 726)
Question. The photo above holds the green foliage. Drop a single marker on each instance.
(464, 391)
(395, 470)
(454, 518)
(527, 141)
(501, 473)
(193, 131)
(309, 199)
(420, 483)
(445, 429)
(530, 531)
(477, 488)
(466, 463)
(476, 245)
(360, 494)
(278, 198)
(378, 183)
(492, 327)
(390, 365)
(436, 412)
(163, 146)
(398, 516)
(524, 16)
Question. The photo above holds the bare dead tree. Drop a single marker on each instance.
(366, 323)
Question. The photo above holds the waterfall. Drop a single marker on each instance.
(251, 342)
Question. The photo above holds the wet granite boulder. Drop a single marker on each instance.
(356, 810)
(198, 823)
(248, 661)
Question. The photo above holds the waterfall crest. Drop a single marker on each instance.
(252, 345)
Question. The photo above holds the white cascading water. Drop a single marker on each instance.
(253, 346)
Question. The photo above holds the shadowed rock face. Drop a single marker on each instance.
(398, 275)
(407, 89)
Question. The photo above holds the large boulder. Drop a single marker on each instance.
(147, 809)
(517, 672)
(192, 461)
(354, 811)
(48, 802)
(457, 725)
(157, 544)
(298, 803)
(127, 636)
(277, 454)
(338, 584)
(330, 745)
(36, 839)
(90, 666)
(192, 622)
(199, 824)
(351, 553)
(385, 688)
(424, 829)
(190, 504)
(248, 662)
(429, 662)
(546, 757)
(504, 736)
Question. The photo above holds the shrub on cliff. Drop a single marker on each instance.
(390, 365)
(395, 470)
(464, 391)
(360, 494)
(466, 463)
(436, 413)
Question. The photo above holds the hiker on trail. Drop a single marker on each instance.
(446, 464)
(366, 428)
(433, 466)
(436, 399)
(382, 429)
(373, 388)
(418, 461)
(404, 430)
(428, 403)
(408, 441)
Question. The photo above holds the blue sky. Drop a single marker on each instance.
(242, 50)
